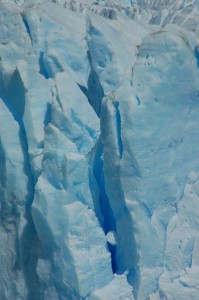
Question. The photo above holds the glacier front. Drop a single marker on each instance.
(99, 156)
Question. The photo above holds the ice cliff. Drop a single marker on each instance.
(99, 157)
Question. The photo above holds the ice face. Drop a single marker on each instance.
(99, 153)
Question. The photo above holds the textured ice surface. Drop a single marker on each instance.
(181, 12)
(99, 169)
(117, 289)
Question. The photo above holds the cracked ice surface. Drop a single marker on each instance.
(99, 156)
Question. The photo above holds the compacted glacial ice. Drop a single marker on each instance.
(99, 157)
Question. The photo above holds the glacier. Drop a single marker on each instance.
(99, 169)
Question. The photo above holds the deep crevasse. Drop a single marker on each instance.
(98, 136)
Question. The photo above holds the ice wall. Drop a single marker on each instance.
(98, 157)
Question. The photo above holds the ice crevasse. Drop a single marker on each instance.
(99, 157)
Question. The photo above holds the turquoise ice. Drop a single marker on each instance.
(99, 169)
